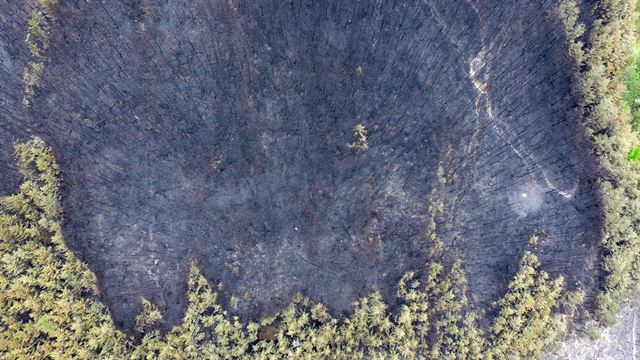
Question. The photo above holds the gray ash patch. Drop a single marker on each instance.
(527, 199)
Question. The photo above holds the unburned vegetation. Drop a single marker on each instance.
(50, 306)
(600, 55)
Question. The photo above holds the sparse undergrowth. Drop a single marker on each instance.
(37, 40)
(600, 61)
(50, 307)
(361, 143)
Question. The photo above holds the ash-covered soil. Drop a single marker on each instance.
(619, 341)
(220, 130)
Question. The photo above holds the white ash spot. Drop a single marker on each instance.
(527, 199)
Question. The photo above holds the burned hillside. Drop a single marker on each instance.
(306, 146)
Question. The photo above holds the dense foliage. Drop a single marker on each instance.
(50, 306)
(631, 78)
(600, 58)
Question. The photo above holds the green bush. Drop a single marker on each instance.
(634, 154)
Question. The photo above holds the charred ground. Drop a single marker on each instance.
(221, 130)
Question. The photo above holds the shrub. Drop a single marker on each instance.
(634, 154)
(361, 142)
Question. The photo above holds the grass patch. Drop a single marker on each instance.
(634, 154)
